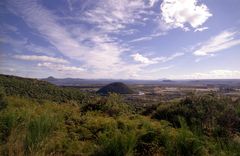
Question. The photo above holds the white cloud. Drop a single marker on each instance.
(147, 38)
(224, 40)
(144, 60)
(178, 13)
(165, 59)
(40, 58)
(61, 67)
(214, 74)
(200, 29)
(140, 58)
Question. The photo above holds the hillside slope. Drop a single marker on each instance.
(37, 89)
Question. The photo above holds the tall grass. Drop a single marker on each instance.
(117, 144)
(37, 130)
(7, 122)
(3, 101)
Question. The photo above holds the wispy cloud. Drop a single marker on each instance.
(200, 29)
(224, 40)
(93, 54)
(8, 27)
(152, 2)
(148, 61)
(70, 5)
(112, 15)
(21, 43)
(40, 58)
(147, 38)
(49, 29)
(178, 13)
(61, 67)
(169, 58)
(95, 49)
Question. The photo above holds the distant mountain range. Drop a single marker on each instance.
(79, 81)
(167, 82)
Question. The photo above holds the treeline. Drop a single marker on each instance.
(197, 125)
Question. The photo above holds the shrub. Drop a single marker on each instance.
(170, 141)
(149, 144)
(203, 114)
(112, 105)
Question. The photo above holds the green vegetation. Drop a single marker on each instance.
(35, 120)
(39, 90)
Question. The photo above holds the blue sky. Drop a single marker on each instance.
(124, 39)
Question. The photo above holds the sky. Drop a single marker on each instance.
(120, 39)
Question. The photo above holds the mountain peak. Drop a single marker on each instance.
(50, 78)
(115, 87)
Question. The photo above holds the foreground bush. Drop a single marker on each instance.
(207, 114)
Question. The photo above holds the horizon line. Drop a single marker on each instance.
(159, 79)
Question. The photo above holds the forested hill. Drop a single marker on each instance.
(38, 89)
(116, 87)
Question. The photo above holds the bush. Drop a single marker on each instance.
(112, 105)
(149, 144)
(202, 114)
(170, 141)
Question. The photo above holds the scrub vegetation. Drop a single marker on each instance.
(38, 118)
